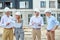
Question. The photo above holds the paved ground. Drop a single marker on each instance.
(28, 35)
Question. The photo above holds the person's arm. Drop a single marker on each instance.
(56, 24)
(42, 22)
(2, 23)
(31, 21)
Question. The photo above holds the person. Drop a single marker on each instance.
(18, 27)
(36, 22)
(6, 23)
(52, 25)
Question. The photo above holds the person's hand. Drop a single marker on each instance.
(7, 24)
(52, 30)
(47, 33)
(13, 27)
(14, 33)
(33, 23)
(39, 24)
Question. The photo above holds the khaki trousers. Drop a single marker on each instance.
(7, 34)
(36, 34)
(51, 35)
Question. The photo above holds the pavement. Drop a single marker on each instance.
(28, 34)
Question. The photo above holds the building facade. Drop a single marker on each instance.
(26, 8)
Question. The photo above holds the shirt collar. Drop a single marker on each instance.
(50, 16)
(7, 16)
(36, 17)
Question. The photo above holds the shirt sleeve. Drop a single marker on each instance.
(56, 22)
(42, 23)
(2, 23)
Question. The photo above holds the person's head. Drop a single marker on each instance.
(48, 12)
(18, 15)
(7, 11)
(36, 11)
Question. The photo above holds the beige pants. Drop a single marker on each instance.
(51, 35)
(36, 34)
(7, 34)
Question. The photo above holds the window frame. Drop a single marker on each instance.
(43, 4)
(24, 5)
(52, 3)
(44, 18)
(11, 5)
(58, 17)
(1, 4)
(29, 16)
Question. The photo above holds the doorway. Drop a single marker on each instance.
(7, 4)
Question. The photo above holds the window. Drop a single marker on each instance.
(0, 5)
(51, 4)
(1, 13)
(0, 18)
(27, 4)
(8, 4)
(11, 5)
(53, 14)
(29, 16)
(24, 4)
(11, 13)
(58, 17)
(44, 18)
(58, 3)
(43, 4)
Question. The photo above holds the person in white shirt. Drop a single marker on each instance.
(18, 27)
(7, 24)
(36, 22)
(52, 25)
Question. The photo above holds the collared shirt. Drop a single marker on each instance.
(5, 20)
(37, 21)
(52, 22)
(18, 25)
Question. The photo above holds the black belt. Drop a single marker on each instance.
(48, 30)
(8, 28)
